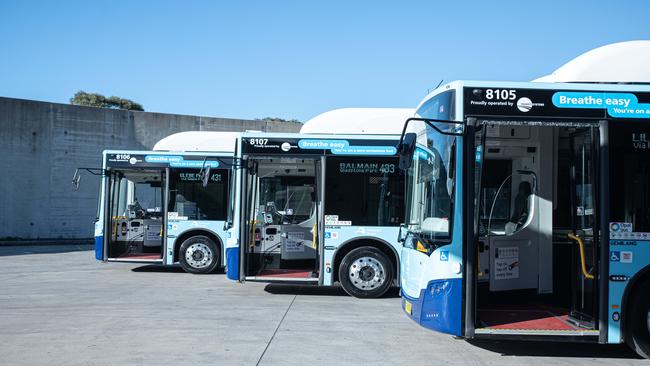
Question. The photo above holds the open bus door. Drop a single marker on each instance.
(135, 215)
(247, 228)
(585, 227)
(523, 303)
(281, 213)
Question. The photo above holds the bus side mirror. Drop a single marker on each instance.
(406, 150)
(205, 176)
(76, 179)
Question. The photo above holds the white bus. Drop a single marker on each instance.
(323, 206)
(528, 205)
(155, 208)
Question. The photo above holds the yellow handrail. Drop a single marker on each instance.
(252, 243)
(313, 237)
(582, 256)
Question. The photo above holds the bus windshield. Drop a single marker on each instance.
(430, 187)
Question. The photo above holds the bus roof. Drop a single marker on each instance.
(354, 121)
(623, 62)
(204, 141)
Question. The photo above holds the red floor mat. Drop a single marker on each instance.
(285, 273)
(529, 319)
(139, 256)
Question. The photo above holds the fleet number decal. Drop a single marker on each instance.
(259, 141)
(500, 94)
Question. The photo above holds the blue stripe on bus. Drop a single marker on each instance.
(232, 263)
(437, 306)
(99, 248)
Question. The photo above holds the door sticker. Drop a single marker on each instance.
(293, 242)
(506, 263)
(333, 220)
(620, 256)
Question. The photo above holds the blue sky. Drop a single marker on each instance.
(292, 59)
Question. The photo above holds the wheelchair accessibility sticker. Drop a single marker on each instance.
(444, 255)
(331, 235)
(620, 256)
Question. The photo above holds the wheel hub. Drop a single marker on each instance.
(367, 273)
(198, 255)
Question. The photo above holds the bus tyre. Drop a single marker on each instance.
(198, 254)
(366, 272)
(638, 320)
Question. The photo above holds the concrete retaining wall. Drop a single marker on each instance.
(41, 144)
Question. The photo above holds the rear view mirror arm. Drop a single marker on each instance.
(429, 122)
(76, 178)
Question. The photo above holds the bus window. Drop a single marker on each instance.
(373, 184)
(289, 196)
(190, 199)
(496, 180)
(430, 190)
(430, 186)
(630, 172)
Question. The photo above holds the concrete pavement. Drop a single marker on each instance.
(58, 306)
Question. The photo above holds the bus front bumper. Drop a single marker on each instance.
(438, 307)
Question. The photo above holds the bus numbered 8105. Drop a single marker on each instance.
(528, 212)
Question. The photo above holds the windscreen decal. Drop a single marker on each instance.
(342, 147)
(176, 161)
(618, 105)
(625, 231)
(333, 220)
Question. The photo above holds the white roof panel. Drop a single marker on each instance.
(377, 121)
(205, 141)
(623, 62)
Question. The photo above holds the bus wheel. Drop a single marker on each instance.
(638, 320)
(198, 254)
(366, 272)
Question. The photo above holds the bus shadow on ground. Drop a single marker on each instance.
(312, 290)
(157, 268)
(42, 249)
(556, 349)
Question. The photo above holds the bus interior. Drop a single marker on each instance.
(283, 206)
(536, 219)
(135, 200)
